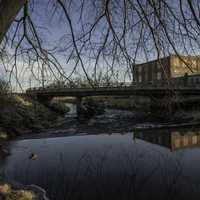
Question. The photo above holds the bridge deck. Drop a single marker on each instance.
(112, 91)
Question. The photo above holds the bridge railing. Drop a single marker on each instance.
(180, 82)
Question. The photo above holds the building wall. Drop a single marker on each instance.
(181, 66)
(165, 68)
(162, 137)
(179, 141)
(152, 71)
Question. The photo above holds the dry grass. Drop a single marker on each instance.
(23, 101)
(5, 189)
(9, 194)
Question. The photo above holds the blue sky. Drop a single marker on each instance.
(55, 32)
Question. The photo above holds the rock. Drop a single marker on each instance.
(4, 152)
(10, 192)
(5, 189)
(91, 122)
(59, 107)
(3, 135)
(33, 156)
(16, 191)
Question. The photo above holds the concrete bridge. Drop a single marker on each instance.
(44, 95)
(138, 90)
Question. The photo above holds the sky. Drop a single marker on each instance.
(55, 34)
(54, 31)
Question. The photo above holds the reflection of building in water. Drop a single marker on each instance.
(172, 139)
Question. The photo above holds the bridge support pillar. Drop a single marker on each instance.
(78, 106)
(45, 100)
(163, 106)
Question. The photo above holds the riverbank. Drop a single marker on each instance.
(21, 115)
(7, 193)
(16, 191)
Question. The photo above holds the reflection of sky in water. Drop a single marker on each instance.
(115, 165)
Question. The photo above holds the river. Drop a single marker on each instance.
(162, 164)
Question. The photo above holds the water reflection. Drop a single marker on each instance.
(108, 166)
(173, 139)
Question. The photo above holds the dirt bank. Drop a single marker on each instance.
(22, 114)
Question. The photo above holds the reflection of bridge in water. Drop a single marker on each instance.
(173, 139)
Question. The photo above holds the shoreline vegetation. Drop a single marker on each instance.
(20, 115)
(16, 191)
(7, 193)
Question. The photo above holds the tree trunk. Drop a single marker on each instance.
(8, 11)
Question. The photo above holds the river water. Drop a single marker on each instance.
(162, 164)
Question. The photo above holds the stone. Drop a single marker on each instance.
(33, 156)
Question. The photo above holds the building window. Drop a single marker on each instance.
(185, 140)
(159, 67)
(194, 64)
(159, 140)
(140, 74)
(140, 78)
(194, 139)
(159, 75)
(146, 75)
(177, 143)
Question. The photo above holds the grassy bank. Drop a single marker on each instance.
(19, 114)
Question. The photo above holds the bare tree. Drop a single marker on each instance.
(98, 36)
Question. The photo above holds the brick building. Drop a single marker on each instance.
(166, 68)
